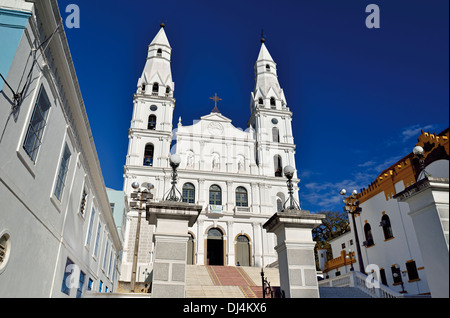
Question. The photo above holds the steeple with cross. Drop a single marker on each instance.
(215, 99)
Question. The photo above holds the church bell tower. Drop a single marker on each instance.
(271, 119)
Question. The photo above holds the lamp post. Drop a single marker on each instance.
(139, 198)
(418, 152)
(398, 274)
(175, 161)
(293, 205)
(352, 207)
(350, 255)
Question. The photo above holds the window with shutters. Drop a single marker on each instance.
(83, 202)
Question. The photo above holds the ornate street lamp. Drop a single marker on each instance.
(175, 161)
(293, 205)
(352, 207)
(418, 152)
(139, 197)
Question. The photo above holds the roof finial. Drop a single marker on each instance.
(162, 25)
(262, 36)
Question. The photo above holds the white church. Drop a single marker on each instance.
(235, 175)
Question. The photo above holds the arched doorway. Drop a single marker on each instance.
(190, 250)
(214, 253)
(243, 250)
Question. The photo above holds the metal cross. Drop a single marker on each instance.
(215, 99)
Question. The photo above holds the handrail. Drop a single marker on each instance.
(358, 280)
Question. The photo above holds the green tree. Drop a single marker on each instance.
(333, 225)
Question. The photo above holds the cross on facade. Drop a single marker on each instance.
(215, 99)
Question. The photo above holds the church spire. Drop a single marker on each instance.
(156, 78)
(267, 88)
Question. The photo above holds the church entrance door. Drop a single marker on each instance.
(214, 243)
(243, 251)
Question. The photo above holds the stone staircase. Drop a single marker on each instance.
(227, 281)
(342, 292)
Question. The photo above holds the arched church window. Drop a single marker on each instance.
(168, 90)
(278, 164)
(151, 122)
(241, 197)
(215, 195)
(273, 103)
(268, 68)
(279, 205)
(215, 232)
(143, 86)
(387, 228)
(159, 52)
(155, 88)
(148, 155)
(276, 134)
(368, 235)
(189, 193)
(260, 101)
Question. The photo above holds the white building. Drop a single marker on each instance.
(388, 239)
(235, 175)
(57, 232)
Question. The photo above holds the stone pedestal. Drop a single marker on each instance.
(295, 248)
(172, 220)
(429, 209)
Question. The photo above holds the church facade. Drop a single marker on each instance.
(237, 176)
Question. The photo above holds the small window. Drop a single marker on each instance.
(276, 134)
(68, 270)
(260, 101)
(268, 68)
(62, 173)
(83, 202)
(90, 284)
(413, 274)
(215, 195)
(278, 166)
(148, 155)
(155, 89)
(97, 239)
(4, 247)
(159, 52)
(168, 90)
(80, 284)
(188, 193)
(38, 122)
(368, 234)
(151, 122)
(241, 197)
(387, 228)
(143, 87)
(91, 225)
(343, 246)
(273, 103)
(383, 276)
(396, 274)
(100, 287)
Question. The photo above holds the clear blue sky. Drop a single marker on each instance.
(359, 96)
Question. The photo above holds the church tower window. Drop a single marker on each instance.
(143, 86)
(278, 166)
(241, 197)
(261, 101)
(148, 155)
(155, 89)
(151, 122)
(215, 195)
(276, 134)
(273, 103)
(188, 193)
(168, 90)
(159, 52)
(268, 68)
